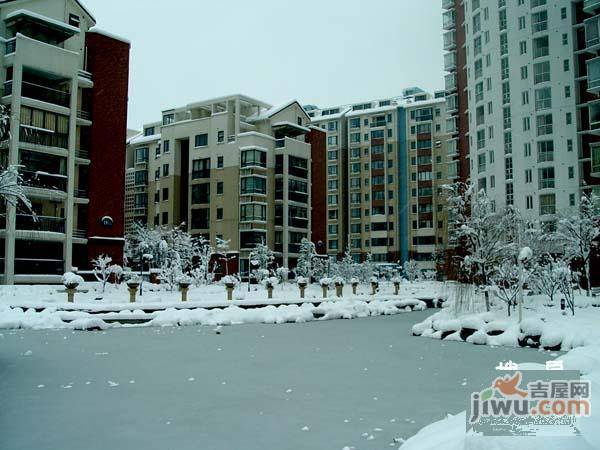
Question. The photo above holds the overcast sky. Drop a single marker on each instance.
(322, 52)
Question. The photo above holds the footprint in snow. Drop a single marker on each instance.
(288, 391)
(191, 379)
(377, 429)
(305, 428)
(113, 384)
(40, 386)
(28, 353)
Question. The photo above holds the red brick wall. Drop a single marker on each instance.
(318, 142)
(463, 99)
(108, 61)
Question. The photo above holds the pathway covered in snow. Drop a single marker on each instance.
(318, 385)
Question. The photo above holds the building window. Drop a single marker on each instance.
(253, 185)
(545, 151)
(168, 119)
(141, 155)
(547, 204)
(544, 124)
(253, 158)
(219, 188)
(546, 178)
(165, 194)
(251, 212)
(201, 140)
(165, 218)
(166, 146)
(220, 137)
(165, 170)
(219, 213)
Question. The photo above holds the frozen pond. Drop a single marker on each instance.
(321, 385)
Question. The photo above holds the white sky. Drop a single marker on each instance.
(322, 52)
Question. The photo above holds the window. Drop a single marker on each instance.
(526, 124)
(528, 176)
(539, 21)
(333, 170)
(527, 149)
(141, 155)
(332, 229)
(141, 177)
(201, 168)
(524, 72)
(74, 20)
(563, 13)
(354, 137)
(168, 119)
(546, 151)
(332, 199)
(219, 162)
(567, 91)
(165, 218)
(165, 194)
(547, 204)
(566, 65)
(571, 199)
(541, 47)
(166, 146)
(157, 152)
(595, 158)
(541, 72)
(253, 158)
(149, 131)
(571, 172)
(220, 137)
(332, 155)
(219, 213)
(165, 170)
(157, 174)
(253, 185)
(565, 39)
(522, 23)
(250, 212)
(525, 97)
(523, 47)
(543, 98)
(219, 188)
(200, 193)
(546, 177)
(529, 202)
(332, 140)
(201, 140)
(544, 124)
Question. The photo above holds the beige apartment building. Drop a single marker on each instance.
(387, 160)
(65, 82)
(232, 168)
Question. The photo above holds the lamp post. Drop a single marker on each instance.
(524, 256)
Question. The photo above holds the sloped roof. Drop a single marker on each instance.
(79, 3)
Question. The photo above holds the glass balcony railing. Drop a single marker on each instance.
(590, 6)
(44, 180)
(41, 93)
(47, 138)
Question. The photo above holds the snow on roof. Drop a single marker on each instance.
(109, 35)
(267, 114)
(285, 123)
(379, 109)
(141, 139)
(50, 20)
(343, 111)
(79, 3)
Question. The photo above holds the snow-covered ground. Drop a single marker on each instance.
(40, 307)
(543, 323)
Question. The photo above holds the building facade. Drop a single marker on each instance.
(387, 160)
(65, 83)
(530, 68)
(232, 168)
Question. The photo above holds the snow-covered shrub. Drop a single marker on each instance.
(283, 273)
(412, 270)
(71, 280)
(229, 280)
(103, 270)
(338, 281)
(270, 282)
(301, 281)
(325, 281)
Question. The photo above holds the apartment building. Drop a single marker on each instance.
(529, 81)
(65, 82)
(232, 168)
(387, 159)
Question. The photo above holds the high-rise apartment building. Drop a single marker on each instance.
(65, 83)
(232, 168)
(522, 75)
(386, 162)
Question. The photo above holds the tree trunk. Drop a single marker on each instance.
(487, 300)
(588, 280)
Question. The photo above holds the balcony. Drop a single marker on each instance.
(299, 197)
(450, 61)
(84, 115)
(42, 93)
(81, 193)
(593, 70)
(592, 33)
(44, 180)
(450, 41)
(51, 224)
(449, 18)
(83, 154)
(447, 4)
(450, 82)
(379, 123)
(39, 136)
(80, 234)
(10, 46)
(590, 6)
(297, 222)
(28, 266)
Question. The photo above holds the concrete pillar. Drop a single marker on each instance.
(69, 202)
(285, 234)
(13, 159)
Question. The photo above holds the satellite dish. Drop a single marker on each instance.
(107, 221)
